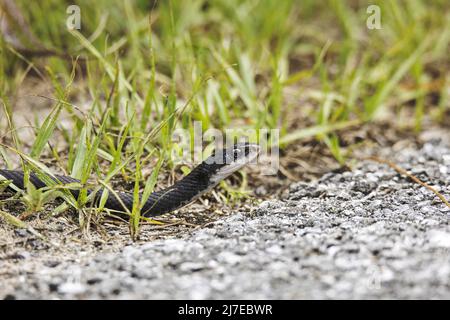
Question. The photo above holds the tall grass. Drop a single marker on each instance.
(149, 67)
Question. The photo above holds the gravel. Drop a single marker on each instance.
(368, 233)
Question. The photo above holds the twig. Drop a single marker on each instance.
(413, 177)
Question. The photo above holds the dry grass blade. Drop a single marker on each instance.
(411, 176)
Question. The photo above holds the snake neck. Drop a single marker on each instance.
(181, 193)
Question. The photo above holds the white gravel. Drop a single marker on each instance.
(369, 233)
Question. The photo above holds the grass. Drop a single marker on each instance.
(146, 68)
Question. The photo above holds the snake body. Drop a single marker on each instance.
(200, 180)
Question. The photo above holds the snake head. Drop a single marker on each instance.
(226, 161)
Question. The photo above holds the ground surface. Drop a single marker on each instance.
(368, 233)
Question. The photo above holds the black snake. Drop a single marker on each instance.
(200, 180)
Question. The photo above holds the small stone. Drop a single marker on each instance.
(439, 238)
(21, 255)
(229, 258)
(261, 191)
(21, 232)
(71, 288)
(191, 266)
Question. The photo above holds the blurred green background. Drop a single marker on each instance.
(306, 67)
